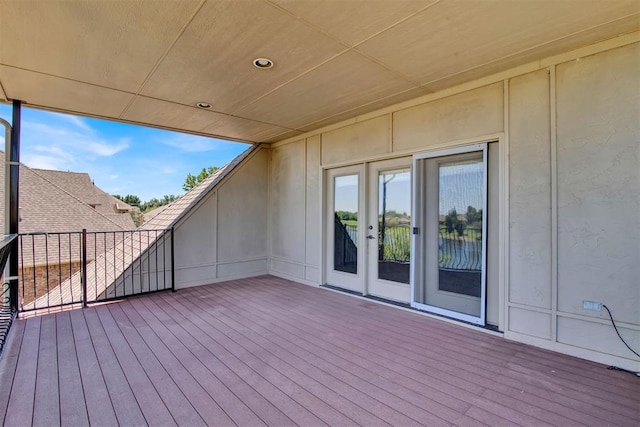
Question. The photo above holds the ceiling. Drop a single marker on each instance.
(150, 62)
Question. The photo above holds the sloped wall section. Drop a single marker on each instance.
(224, 236)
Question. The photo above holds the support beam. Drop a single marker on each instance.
(14, 187)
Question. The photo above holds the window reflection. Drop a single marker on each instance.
(345, 251)
(460, 227)
(394, 225)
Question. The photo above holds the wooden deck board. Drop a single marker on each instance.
(20, 408)
(73, 408)
(9, 363)
(266, 351)
(46, 411)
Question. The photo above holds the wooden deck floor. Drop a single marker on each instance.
(266, 351)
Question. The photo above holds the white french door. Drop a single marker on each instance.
(389, 229)
(412, 230)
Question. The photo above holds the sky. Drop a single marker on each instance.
(120, 158)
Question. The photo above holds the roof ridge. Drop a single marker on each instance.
(53, 170)
(72, 195)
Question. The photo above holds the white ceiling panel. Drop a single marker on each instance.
(109, 43)
(452, 36)
(337, 18)
(169, 115)
(212, 61)
(336, 86)
(54, 93)
(247, 130)
(566, 44)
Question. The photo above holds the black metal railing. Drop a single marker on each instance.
(345, 254)
(456, 251)
(7, 309)
(81, 267)
(460, 252)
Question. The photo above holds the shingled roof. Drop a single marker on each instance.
(54, 201)
(106, 275)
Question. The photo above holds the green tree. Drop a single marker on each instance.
(191, 180)
(473, 215)
(129, 199)
(156, 203)
(453, 223)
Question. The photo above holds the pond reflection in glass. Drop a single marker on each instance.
(460, 227)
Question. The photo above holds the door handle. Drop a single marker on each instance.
(370, 237)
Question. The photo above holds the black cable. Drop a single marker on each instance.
(616, 328)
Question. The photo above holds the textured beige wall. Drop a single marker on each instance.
(530, 191)
(465, 115)
(196, 233)
(287, 202)
(356, 142)
(599, 196)
(594, 167)
(242, 212)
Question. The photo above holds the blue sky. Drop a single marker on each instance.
(120, 158)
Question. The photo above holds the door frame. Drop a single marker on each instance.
(416, 247)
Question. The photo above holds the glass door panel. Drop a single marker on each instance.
(460, 210)
(345, 224)
(394, 225)
(344, 234)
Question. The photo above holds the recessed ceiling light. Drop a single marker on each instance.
(263, 63)
(203, 105)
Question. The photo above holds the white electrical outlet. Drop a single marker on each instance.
(592, 305)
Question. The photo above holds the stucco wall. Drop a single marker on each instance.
(570, 165)
(575, 205)
(225, 236)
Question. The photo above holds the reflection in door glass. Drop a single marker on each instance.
(345, 242)
(460, 227)
(394, 225)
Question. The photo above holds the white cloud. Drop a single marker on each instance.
(75, 120)
(38, 161)
(70, 143)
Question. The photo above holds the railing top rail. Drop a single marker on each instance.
(48, 233)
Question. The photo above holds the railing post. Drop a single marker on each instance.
(12, 187)
(173, 273)
(84, 267)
